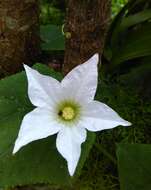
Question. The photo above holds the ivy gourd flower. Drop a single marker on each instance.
(66, 108)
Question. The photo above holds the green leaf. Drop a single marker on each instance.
(134, 163)
(137, 76)
(136, 43)
(114, 29)
(135, 19)
(39, 161)
(52, 38)
(127, 20)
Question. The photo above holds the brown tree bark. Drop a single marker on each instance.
(85, 29)
(18, 34)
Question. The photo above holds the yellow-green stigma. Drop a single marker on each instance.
(68, 113)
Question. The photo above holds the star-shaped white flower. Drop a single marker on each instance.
(67, 108)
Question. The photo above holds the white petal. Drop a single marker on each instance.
(98, 116)
(69, 145)
(42, 89)
(81, 82)
(37, 124)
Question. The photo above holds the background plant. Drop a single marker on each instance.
(123, 84)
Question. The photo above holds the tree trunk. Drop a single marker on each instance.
(86, 25)
(19, 41)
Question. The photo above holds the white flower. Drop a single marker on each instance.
(66, 108)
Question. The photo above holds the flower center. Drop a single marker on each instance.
(67, 113)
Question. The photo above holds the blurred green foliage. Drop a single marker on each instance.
(52, 38)
(117, 5)
(53, 11)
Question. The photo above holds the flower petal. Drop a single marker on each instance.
(98, 116)
(69, 145)
(81, 82)
(42, 89)
(37, 124)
